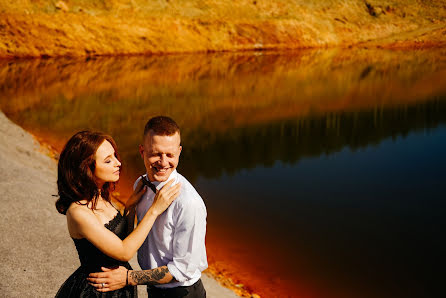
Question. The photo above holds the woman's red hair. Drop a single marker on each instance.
(75, 171)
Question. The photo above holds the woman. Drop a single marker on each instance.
(88, 169)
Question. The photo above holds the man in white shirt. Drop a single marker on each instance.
(174, 254)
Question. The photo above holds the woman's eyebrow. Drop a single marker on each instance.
(110, 155)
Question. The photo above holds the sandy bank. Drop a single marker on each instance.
(119, 27)
(36, 252)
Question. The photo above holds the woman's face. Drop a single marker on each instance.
(107, 165)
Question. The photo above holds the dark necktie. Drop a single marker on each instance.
(146, 182)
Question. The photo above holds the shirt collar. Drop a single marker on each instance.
(159, 185)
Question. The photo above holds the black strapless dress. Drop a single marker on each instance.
(92, 259)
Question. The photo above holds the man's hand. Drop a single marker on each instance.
(109, 279)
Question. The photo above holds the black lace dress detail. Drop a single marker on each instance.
(92, 259)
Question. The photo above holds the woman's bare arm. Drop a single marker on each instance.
(87, 225)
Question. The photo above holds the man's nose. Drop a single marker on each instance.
(163, 160)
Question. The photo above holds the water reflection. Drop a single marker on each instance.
(295, 106)
(346, 126)
(291, 140)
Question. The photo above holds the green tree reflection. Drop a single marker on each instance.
(291, 140)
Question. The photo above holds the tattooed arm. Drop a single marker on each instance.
(114, 279)
(157, 276)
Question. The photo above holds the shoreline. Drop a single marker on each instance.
(37, 252)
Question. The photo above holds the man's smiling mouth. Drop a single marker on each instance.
(161, 170)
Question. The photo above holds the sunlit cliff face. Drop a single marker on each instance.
(161, 155)
(39, 28)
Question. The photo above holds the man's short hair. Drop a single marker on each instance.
(161, 126)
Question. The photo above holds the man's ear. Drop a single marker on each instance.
(181, 148)
(141, 151)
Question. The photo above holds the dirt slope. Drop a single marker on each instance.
(84, 28)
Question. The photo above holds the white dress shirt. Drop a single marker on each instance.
(177, 238)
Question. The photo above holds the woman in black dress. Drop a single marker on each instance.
(88, 169)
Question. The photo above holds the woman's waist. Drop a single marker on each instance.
(96, 267)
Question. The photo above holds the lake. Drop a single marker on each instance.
(322, 170)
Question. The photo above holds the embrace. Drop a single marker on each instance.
(171, 218)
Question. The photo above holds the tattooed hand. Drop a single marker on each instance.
(115, 279)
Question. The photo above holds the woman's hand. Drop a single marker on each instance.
(165, 197)
(140, 189)
(109, 279)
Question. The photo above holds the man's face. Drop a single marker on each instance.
(161, 155)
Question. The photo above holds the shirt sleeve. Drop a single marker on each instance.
(189, 251)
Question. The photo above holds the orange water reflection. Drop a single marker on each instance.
(258, 99)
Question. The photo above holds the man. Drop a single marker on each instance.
(174, 254)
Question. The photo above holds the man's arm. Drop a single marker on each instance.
(189, 250)
(157, 276)
(114, 279)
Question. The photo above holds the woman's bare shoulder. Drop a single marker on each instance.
(79, 212)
